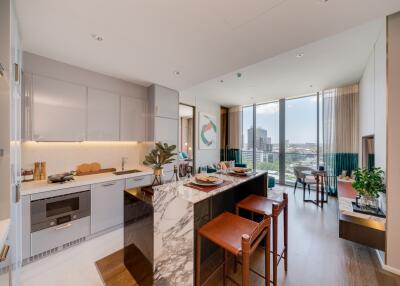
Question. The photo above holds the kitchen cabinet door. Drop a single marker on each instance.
(107, 205)
(166, 130)
(103, 115)
(59, 110)
(164, 101)
(133, 119)
(5, 38)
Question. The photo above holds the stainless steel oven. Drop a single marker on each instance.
(49, 212)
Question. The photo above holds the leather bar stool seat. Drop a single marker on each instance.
(238, 236)
(271, 208)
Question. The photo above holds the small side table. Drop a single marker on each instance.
(320, 187)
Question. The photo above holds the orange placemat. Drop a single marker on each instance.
(207, 188)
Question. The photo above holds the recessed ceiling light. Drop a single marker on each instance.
(177, 73)
(322, 1)
(97, 37)
(239, 75)
(300, 55)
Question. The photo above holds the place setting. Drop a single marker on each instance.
(240, 172)
(206, 183)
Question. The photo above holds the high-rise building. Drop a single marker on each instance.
(263, 142)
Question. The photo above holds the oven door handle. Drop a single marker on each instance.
(63, 226)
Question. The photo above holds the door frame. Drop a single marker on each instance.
(193, 133)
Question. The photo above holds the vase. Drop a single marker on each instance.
(369, 202)
(158, 176)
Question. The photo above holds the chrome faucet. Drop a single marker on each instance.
(123, 162)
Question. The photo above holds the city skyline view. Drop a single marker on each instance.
(301, 123)
(300, 109)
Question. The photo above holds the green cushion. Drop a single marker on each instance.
(211, 169)
(271, 182)
(241, 165)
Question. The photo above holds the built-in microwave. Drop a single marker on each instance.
(49, 212)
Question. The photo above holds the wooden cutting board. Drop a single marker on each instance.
(100, 171)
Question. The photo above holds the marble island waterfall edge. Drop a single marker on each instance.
(173, 206)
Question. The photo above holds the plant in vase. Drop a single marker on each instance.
(369, 183)
(158, 157)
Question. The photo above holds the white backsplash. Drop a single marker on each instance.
(66, 156)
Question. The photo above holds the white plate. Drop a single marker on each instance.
(241, 174)
(194, 181)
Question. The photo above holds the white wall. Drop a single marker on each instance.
(203, 157)
(373, 97)
(66, 156)
(393, 155)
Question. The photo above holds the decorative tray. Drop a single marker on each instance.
(367, 211)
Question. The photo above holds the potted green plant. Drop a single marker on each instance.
(369, 183)
(162, 154)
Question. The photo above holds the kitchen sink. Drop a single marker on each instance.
(126, 172)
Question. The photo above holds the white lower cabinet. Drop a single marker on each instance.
(107, 205)
(55, 236)
(139, 181)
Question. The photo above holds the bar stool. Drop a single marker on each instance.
(271, 208)
(239, 236)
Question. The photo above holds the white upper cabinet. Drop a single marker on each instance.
(163, 115)
(133, 119)
(164, 102)
(166, 130)
(103, 115)
(59, 110)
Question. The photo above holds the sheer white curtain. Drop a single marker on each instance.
(340, 131)
(234, 134)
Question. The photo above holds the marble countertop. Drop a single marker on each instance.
(4, 229)
(35, 187)
(193, 195)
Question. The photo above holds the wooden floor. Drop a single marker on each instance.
(316, 255)
(113, 271)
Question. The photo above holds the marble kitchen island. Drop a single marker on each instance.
(178, 211)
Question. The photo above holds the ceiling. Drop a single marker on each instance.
(148, 41)
(332, 62)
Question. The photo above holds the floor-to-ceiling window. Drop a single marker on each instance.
(267, 138)
(302, 141)
(247, 134)
(301, 145)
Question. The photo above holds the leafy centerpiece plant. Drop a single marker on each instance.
(369, 183)
(161, 155)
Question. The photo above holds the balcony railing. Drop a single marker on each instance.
(270, 161)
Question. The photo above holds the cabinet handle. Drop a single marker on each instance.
(138, 179)
(4, 252)
(108, 185)
(68, 225)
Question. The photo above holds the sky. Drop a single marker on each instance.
(301, 120)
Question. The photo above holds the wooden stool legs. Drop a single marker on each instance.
(245, 260)
(198, 260)
(285, 236)
(225, 272)
(267, 258)
(275, 208)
